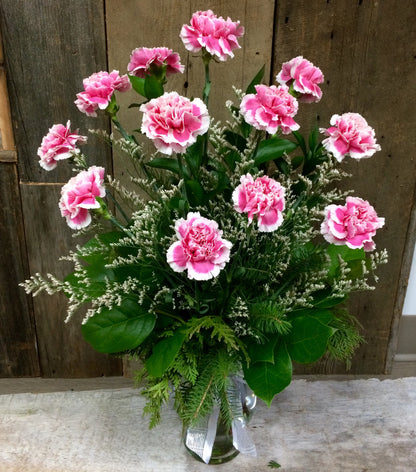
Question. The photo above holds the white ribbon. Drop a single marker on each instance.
(200, 439)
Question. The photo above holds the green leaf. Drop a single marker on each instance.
(301, 141)
(308, 340)
(119, 329)
(164, 354)
(271, 149)
(314, 139)
(274, 465)
(347, 254)
(193, 156)
(263, 352)
(164, 163)
(267, 379)
(153, 87)
(256, 80)
(195, 192)
(138, 84)
(235, 139)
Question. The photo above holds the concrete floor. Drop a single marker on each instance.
(96, 425)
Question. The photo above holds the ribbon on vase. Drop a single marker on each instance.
(200, 438)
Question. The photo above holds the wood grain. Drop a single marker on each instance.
(49, 47)
(18, 351)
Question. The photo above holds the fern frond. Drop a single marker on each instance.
(268, 317)
(220, 330)
(345, 340)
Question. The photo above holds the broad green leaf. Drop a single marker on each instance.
(347, 254)
(119, 329)
(138, 84)
(164, 354)
(153, 87)
(308, 339)
(164, 163)
(263, 352)
(325, 299)
(272, 148)
(321, 314)
(267, 379)
(256, 80)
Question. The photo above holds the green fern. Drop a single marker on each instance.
(268, 317)
(220, 330)
(346, 339)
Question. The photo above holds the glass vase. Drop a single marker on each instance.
(212, 440)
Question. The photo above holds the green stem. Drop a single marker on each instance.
(206, 58)
(182, 176)
(165, 313)
(108, 193)
(122, 131)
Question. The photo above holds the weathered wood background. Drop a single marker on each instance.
(367, 51)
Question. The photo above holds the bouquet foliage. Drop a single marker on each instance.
(242, 254)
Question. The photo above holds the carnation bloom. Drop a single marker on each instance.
(144, 60)
(264, 198)
(270, 108)
(305, 78)
(59, 144)
(218, 36)
(350, 135)
(98, 90)
(200, 249)
(79, 195)
(173, 122)
(354, 224)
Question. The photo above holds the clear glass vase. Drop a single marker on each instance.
(212, 440)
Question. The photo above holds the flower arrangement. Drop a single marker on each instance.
(243, 254)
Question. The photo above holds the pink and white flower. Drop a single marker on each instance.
(78, 196)
(201, 250)
(270, 108)
(218, 36)
(304, 77)
(144, 60)
(174, 122)
(354, 224)
(263, 198)
(350, 135)
(98, 90)
(59, 143)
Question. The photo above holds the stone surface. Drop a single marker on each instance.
(325, 426)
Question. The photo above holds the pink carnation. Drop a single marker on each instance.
(200, 249)
(218, 36)
(354, 224)
(79, 195)
(350, 135)
(264, 198)
(98, 90)
(305, 78)
(270, 108)
(173, 122)
(144, 60)
(59, 144)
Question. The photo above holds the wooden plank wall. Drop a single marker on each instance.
(50, 46)
(364, 48)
